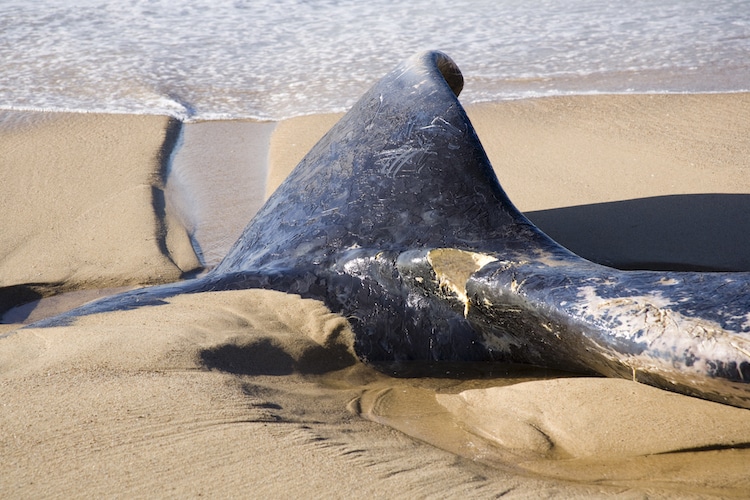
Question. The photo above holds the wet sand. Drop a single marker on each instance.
(232, 394)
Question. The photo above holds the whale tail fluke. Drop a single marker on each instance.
(396, 219)
(403, 168)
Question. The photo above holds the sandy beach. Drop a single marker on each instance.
(260, 394)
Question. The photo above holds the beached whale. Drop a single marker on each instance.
(396, 220)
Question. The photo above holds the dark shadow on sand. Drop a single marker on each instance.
(470, 370)
(18, 296)
(692, 232)
(264, 356)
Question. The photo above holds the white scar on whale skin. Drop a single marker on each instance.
(670, 338)
(746, 324)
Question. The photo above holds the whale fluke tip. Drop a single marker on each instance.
(450, 72)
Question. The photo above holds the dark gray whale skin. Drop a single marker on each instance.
(396, 220)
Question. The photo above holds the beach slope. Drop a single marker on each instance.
(258, 393)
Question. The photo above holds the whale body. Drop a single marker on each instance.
(396, 220)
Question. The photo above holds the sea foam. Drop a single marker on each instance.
(268, 59)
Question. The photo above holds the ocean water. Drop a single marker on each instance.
(273, 59)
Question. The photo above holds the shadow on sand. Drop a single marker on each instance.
(692, 232)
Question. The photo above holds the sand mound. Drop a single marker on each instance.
(602, 431)
(240, 393)
(560, 419)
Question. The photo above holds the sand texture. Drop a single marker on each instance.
(259, 394)
(650, 181)
(82, 203)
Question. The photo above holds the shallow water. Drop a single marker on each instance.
(216, 181)
(211, 59)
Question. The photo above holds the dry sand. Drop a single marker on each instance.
(258, 394)
(82, 203)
